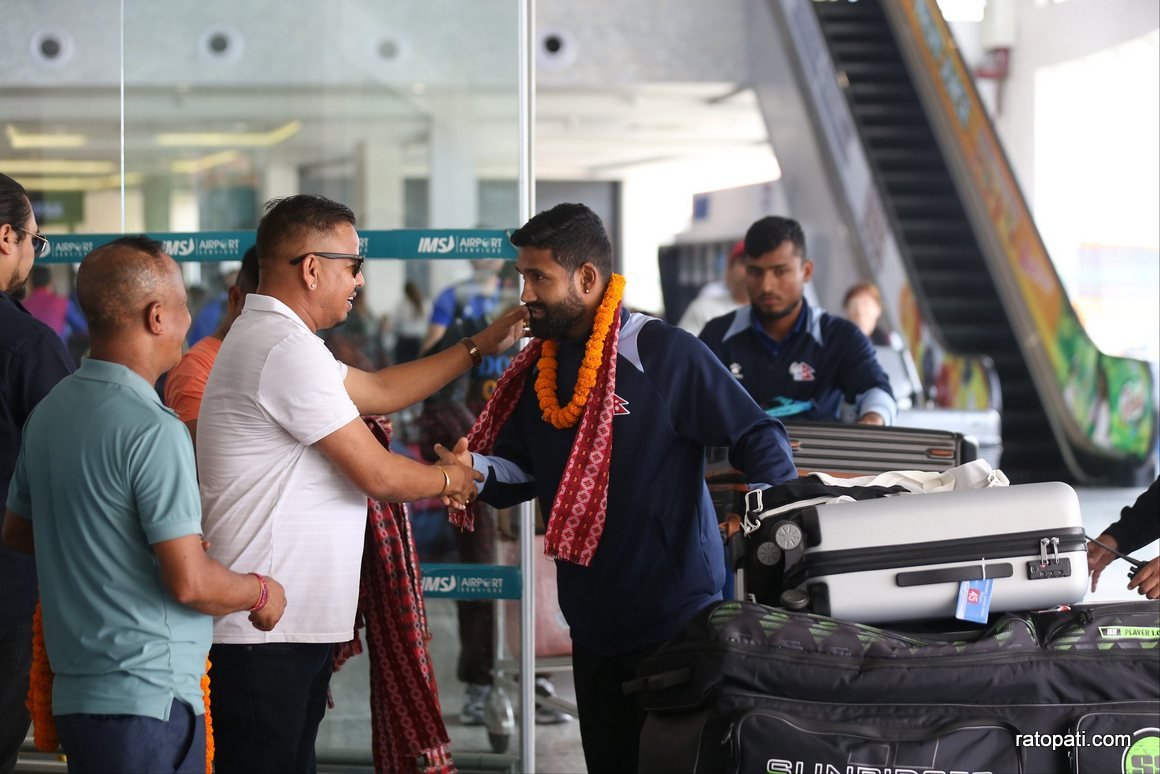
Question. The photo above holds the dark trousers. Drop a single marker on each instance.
(477, 617)
(610, 722)
(267, 702)
(104, 743)
(15, 661)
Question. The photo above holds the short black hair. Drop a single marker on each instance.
(15, 207)
(574, 234)
(291, 218)
(247, 280)
(770, 232)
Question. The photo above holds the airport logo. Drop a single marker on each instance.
(463, 246)
(443, 244)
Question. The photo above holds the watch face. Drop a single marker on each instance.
(768, 553)
(788, 536)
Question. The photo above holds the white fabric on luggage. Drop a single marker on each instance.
(977, 474)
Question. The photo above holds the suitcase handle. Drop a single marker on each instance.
(954, 574)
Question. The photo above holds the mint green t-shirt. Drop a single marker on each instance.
(104, 472)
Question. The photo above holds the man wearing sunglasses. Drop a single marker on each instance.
(32, 361)
(286, 466)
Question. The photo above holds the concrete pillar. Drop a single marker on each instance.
(378, 204)
(454, 189)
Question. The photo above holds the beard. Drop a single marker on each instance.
(17, 287)
(773, 315)
(557, 319)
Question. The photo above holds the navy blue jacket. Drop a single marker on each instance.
(660, 557)
(823, 360)
(32, 361)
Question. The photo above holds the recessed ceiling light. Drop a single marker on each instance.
(226, 139)
(24, 140)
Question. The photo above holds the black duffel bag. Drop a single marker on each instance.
(746, 687)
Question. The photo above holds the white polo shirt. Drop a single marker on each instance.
(272, 503)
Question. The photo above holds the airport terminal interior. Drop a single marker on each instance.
(992, 166)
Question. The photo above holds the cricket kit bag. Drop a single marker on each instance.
(749, 688)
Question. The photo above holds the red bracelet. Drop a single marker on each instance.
(262, 596)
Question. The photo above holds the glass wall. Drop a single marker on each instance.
(137, 116)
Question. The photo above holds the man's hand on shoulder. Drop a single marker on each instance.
(872, 418)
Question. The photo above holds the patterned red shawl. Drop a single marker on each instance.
(406, 720)
(577, 518)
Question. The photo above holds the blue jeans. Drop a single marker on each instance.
(267, 703)
(103, 743)
(15, 661)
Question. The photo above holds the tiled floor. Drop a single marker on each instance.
(346, 729)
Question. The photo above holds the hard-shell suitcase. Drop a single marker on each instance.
(844, 450)
(864, 450)
(904, 557)
(745, 687)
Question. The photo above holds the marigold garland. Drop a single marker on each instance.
(208, 719)
(39, 701)
(562, 417)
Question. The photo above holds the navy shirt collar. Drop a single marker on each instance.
(772, 344)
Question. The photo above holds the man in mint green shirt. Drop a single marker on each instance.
(105, 493)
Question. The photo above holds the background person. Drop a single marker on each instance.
(781, 347)
(185, 385)
(862, 305)
(619, 468)
(287, 464)
(718, 297)
(410, 323)
(44, 303)
(105, 493)
(32, 361)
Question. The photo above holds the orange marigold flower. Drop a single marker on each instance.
(562, 417)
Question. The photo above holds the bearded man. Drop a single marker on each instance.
(618, 468)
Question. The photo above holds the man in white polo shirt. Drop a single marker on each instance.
(286, 465)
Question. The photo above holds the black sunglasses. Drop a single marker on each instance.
(39, 246)
(358, 259)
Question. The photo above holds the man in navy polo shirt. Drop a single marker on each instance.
(781, 347)
(32, 361)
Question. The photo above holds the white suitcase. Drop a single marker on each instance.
(903, 558)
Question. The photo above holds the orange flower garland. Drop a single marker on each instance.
(39, 700)
(562, 417)
(208, 720)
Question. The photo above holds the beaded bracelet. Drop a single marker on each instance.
(263, 595)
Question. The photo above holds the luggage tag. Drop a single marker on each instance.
(975, 598)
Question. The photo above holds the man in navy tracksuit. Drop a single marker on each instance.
(781, 347)
(659, 559)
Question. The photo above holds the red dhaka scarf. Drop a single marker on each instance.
(578, 512)
(407, 727)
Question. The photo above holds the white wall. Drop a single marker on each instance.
(1080, 122)
(1049, 33)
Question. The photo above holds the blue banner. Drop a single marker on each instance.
(472, 581)
(406, 244)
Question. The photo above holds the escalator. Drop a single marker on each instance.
(972, 289)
